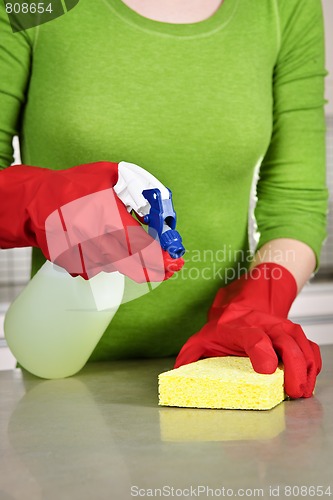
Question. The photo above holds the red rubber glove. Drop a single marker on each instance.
(249, 318)
(79, 223)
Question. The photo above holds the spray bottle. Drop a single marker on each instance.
(57, 320)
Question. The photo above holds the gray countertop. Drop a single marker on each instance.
(102, 435)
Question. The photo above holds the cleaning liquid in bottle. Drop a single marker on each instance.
(55, 323)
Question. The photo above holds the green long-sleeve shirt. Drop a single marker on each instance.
(198, 105)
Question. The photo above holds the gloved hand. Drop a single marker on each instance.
(77, 220)
(249, 318)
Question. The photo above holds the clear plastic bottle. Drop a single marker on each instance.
(55, 323)
(57, 320)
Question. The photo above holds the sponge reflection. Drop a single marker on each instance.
(194, 424)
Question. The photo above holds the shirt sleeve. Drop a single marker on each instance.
(15, 65)
(291, 190)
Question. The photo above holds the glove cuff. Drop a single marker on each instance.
(268, 287)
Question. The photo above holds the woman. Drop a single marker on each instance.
(201, 94)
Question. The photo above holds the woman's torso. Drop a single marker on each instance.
(192, 103)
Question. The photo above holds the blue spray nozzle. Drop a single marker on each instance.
(161, 222)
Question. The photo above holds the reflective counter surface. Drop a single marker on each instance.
(102, 435)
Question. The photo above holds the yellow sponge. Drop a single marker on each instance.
(224, 382)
